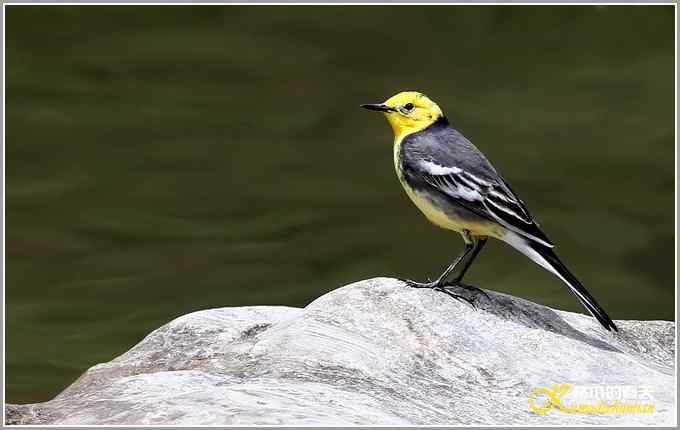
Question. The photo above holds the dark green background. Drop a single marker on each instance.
(162, 160)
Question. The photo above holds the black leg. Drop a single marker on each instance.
(468, 248)
(439, 284)
(458, 280)
(440, 281)
(479, 244)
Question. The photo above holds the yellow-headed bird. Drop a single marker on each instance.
(458, 189)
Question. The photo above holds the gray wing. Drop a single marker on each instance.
(451, 165)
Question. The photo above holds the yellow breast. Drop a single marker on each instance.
(436, 215)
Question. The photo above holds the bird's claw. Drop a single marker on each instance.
(415, 284)
(468, 287)
(441, 287)
(458, 297)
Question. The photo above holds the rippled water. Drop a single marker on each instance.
(165, 160)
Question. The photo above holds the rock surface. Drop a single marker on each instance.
(373, 352)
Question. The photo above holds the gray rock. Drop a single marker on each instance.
(374, 352)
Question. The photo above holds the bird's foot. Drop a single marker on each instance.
(440, 286)
(458, 283)
(415, 284)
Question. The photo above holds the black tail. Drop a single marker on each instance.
(576, 287)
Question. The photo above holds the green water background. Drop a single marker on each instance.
(162, 160)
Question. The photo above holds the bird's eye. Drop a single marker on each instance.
(408, 106)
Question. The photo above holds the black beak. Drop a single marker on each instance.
(380, 107)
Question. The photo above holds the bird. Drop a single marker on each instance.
(456, 187)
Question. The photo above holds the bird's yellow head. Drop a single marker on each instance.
(408, 112)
